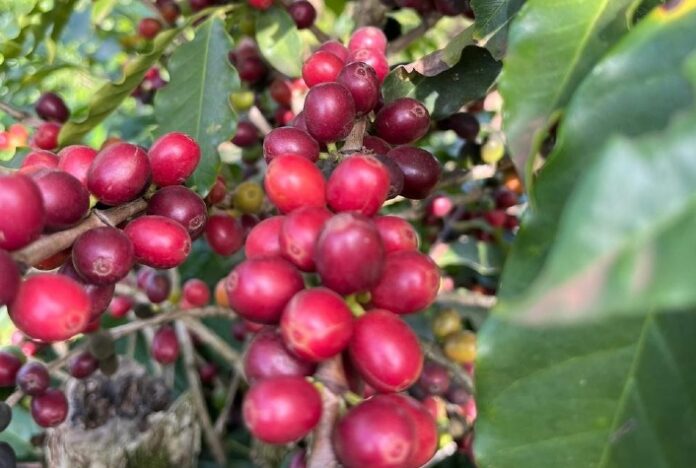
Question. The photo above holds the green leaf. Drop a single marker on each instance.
(19, 433)
(442, 59)
(279, 41)
(491, 15)
(101, 10)
(482, 257)
(539, 79)
(636, 88)
(445, 93)
(195, 101)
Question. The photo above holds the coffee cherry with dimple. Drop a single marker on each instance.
(426, 437)
(302, 13)
(294, 182)
(158, 242)
(264, 239)
(402, 121)
(397, 234)
(409, 283)
(82, 365)
(289, 140)
(99, 295)
(299, 234)
(182, 205)
(196, 292)
(10, 278)
(360, 184)
(420, 169)
(103, 255)
(22, 213)
(377, 60)
(224, 234)
(321, 67)
(33, 378)
(267, 356)
(50, 106)
(119, 174)
(329, 112)
(173, 158)
(49, 409)
(363, 84)
(165, 346)
(9, 366)
(76, 160)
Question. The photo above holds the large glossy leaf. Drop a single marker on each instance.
(280, 41)
(545, 63)
(492, 15)
(636, 88)
(195, 101)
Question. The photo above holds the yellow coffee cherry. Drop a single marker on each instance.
(248, 198)
(446, 322)
(242, 100)
(493, 150)
(461, 347)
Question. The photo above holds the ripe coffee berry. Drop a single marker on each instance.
(173, 158)
(289, 140)
(169, 10)
(158, 286)
(49, 409)
(303, 13)
(33, 378)
(158, 242)
(299, 234)
(368, 37)
(336, 48)
(321, 67)
(260, 4)
(99, 296)
(360, 183)
(420, 168)
(50, 106)
(267, 356)
(258, 289)
(246, 134)
(251, 69)
(119, 174)
(293, 182)
(363, 84)
(181, 204)
(280, 410)
(408, 284)
(496, 218)
(46, 136)
(396, 175)
(82, 365)
(281, 92)
(329, 112)
(9, 366)
(465, 125)
(217, 192)
(264, 239)
(377, 60)
(103, 255)
(224, 234)
(9, 278)
(50, 307)
(149, 28)
(22, 214)
(196, 292)
(65, 199)
(39, 159)
(165, 346)
(425, 438)
(402, 121)
(76, 160)
(396, 234)
(376, 144)
(434, 379)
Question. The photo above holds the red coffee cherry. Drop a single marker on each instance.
(420, 168)
(363, 84)
(158, 242)
(294, 182)
(505, 198)
(165, 346)
(264, 239)
(149, 28)
(299, 122)
(224, 234)
(336, 48)
(181, 204)
(425, 428)
(321, 67)
(267, 356)
(464, 124)
(9, 366)
(76, 160)
(119, 174)
(157, 287)
(260, 4)
(9, 278)
(377, 60)
(316, 324)
(120, 306)
(377, 432)
(408, 284)
(22, 214)
(49, 409)
(376, 144)
(303, 14)
(103, 255)
(397, 234)
(281, 92)
(349, 254)
(169, 10)
(65, 199)
(173, 158)
(99, 296)
(299, 234)
(402, 121)
(251, 70)
(217, 192)
(496, 218)
(440, 206)
(258, 289)
(50, 106)
(46, 136)
(360, 183)
(246, 135)
(196, 292)
(396, 175)
(280, 410)
(329, 112)
(289, 140)
(82, 365)
(380, 336)
(50, 307)
(368, 37)
(434, 379)
(33, 378)
(39, 159)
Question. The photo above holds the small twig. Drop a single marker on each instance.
(257, 118)
(354, 141)
(469, 300)
(212, 340)
(434, 353)
(13, 112)
(197, 393)
(419, 31)
(229, 403)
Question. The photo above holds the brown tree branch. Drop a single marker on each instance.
(229, 402)
(211, 339)
(13, 112)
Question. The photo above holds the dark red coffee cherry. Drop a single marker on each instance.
(196, 292)
(22, 213)
(82, 365)
(280, 410)
(158, 287)
(496, 218)
(294, 182)
(33, 378)
(303, 14)
(258, 289)
(329, 112)
(420, 168)
(396, 175)
(165, 346)
(169, 10)
(264, 239)
(181, 204)
(299, 234)
(360, 183)
(299, 122)
(316, 324)
(50, 106)
(289, 140)
(376, 144)
(408, 284)
(465, 125)
(50, 307)
(173, 158)
(434, 379)
(49, 409)
(149, 28)
(251, 70)
(46, 136)
(450, 7)
(39, 159)
(260, 4)
(402, 121)
(363, 84)
(65, 199)
(380, 336)
(283, 116)
(9, 366)
(321, 67)
(336, 48)
(120, 306)
(103, 255)
(246, 135)
(505, 198)
(349, 254)
(119, 174)
(76, 160)
(397, 234)
(99, 296)
(425, 428)
(224, 234)
(377, 432)
(267, 356)
(9, 278)
(377, 60)
(158, 242)
(368, 37)
(281, 92)
(217, 191)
